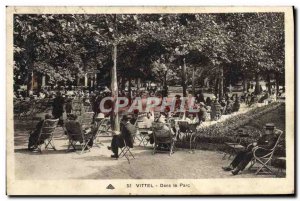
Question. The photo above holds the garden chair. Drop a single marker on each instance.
(77, 107)
(237, 145)
(143, 131)
(103, 128)
(125, 152)
(87, 107)
(162, 137)
(76, 135)
(87, 118)
(102, 131)
(46, 134)
(265, 160)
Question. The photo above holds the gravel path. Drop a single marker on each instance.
(97, 163)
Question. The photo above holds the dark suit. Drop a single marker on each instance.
(34, 136)
(244, 157)
(127, 132)
(202, 114)
(58, 107)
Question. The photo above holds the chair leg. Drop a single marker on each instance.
(264, 165)
(252, 164)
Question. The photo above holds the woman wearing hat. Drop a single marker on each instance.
(266, 141)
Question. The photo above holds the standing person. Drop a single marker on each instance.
(266, 141)
(216, 110)
(200, 97)
(58, 107)
(236, 105)
(208, 101)
(202, 112)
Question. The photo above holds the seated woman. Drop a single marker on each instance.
(34, 135)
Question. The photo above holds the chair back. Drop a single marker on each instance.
(278, 140)
(48, 128)
(87, 107)
(183, 126)
(104, 125)
(77, 106)
(87, 118)
(74, 130)
(160, 134)
(172, 122)
(141, 124)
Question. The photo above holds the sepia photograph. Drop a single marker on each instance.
(150, 100)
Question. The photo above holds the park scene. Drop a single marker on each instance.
(149, 96)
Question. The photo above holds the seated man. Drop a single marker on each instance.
(127, 132)
(266, 141)
(34, 135)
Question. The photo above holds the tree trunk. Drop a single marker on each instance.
(200, 72)
(129, 87)
(216, 87)
(138, 83)
(193, 82)
(114, 90)
(184, 87)
(123, 83)
(245, 84)
(257, 86)
(221, 87)
(165, 78)
(277, 83)
(269, 83)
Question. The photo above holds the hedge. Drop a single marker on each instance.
(225, 131)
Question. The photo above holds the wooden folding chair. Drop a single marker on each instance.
(189, 131)
(265, 160)
(103, 128)
(143, 131)
(77, 135)
(77, 107)
(125, 152)
(102, 131)
(87, 107)
(162, 137)
(87, 118)
(46, 134)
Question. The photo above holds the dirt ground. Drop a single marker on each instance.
(97, 163)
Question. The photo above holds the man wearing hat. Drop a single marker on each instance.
(127, 132)
(266, 141)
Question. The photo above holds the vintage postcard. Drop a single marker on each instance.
(150, 101)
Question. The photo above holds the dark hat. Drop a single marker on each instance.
(269, 126)
(48, 116)
(125, 118)
(72, 116)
